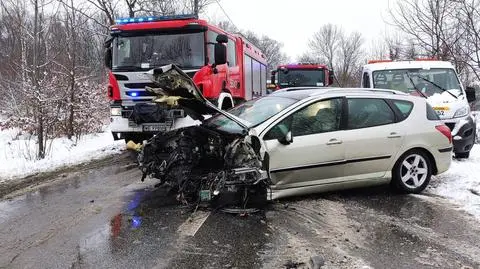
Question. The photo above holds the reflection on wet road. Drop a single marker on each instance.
(105, 218)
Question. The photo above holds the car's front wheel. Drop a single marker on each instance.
(412, 172)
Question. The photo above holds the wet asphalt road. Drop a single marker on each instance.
(102, 216)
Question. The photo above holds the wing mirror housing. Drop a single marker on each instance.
(220, 52)
(221, 38)
(331, 77)
(471, 95)
(108, 58)
(287, 139)
(272, 76)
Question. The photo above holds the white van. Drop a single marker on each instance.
(438, 82)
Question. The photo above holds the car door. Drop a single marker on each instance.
(372, 138)
(316, 155)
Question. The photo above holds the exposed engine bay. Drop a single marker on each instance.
(202, 165)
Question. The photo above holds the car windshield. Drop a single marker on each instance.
(251, 113)
(148, 51)
(429, 82)
(301, 77)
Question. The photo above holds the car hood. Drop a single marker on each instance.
(175, 87)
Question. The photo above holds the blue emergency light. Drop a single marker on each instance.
(156, 18)
(132, 94)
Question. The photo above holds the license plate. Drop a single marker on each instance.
(441, 108)
(156, 127)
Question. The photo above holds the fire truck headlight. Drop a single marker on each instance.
(116, 111)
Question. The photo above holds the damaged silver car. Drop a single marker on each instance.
(293, 142)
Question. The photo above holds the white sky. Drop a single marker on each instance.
(294, 22)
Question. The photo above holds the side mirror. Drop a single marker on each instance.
(471, 97)
(331, 77)
(272, 77)
(220, 52)
(222, 39)
(287, 139)
(108, 58)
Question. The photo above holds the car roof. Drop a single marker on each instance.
(407, 65)
(300, 93)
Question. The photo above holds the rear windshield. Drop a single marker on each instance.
(431, 114)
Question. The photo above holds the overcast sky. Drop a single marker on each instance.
(294, 22)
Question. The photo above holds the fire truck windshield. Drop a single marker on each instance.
(142, 52)
(301, 77)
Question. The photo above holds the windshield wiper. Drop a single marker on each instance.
(415, 86)
(436, 85)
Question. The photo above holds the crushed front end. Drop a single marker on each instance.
(200, 164)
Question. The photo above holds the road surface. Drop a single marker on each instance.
(102, 216)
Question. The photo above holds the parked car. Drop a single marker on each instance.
(302, 141)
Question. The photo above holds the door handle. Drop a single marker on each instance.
(394, 135)
(334, 141)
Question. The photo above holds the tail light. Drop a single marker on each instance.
(113, 88)
(445, 131)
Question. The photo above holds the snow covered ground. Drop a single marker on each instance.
(17, 152)
(461, 183)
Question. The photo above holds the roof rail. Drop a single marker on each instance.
(378, 61)
(401, 60)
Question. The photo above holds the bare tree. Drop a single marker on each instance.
(196, 6)
(395, 46)
(107, 7)
(325, 43)
(433, 24)
(349, 56)
(339, 51)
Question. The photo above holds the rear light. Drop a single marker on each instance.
(445, 131)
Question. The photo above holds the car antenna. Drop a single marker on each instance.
(415, 86)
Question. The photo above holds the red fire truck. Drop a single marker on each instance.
(302, 75)
(226, 76)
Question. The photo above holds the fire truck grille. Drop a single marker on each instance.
(139, 85)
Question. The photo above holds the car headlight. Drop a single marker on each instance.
(462, 112)
(116, 111)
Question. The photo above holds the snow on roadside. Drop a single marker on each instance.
(17, 152)
(461, 183)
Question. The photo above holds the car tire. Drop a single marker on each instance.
(462, 155)
(412, 172)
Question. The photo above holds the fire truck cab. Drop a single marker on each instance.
(301, 75)
(226, 68)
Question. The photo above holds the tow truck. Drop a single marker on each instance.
(438, 82)
(227, 68)
(301, 75)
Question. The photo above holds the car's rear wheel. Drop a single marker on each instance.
(412, 172)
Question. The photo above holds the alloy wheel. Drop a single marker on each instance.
(414, 171)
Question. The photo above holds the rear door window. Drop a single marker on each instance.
(368, 112)
(405, 108)
(431, 114)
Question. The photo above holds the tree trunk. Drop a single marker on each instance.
(36, 88)
(72, 45)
